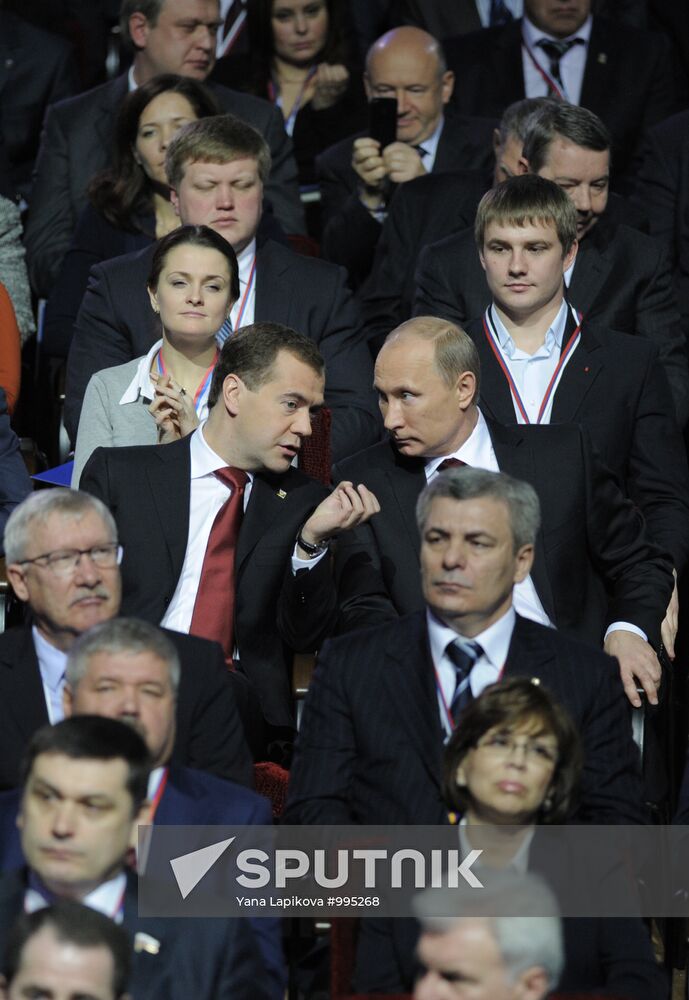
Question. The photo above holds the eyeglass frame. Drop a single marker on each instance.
(118, 549)
(529, 747)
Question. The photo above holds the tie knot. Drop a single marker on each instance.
(556, 50)
(463, 656)
(451, 463)
(236, 479)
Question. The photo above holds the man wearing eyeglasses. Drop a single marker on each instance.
(63, 563)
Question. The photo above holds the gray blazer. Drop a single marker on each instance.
(105, 423)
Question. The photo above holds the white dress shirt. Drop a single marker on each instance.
(51, 663)
(478, 451)
(245, 261)
(494, 641)
(142, 386)
(207, 494)
(572, 64)
(106, 898)
(532, 372)
(430, 147)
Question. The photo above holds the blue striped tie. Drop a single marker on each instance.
(224, 332)
(463, 657)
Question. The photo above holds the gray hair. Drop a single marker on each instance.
(149, 8)
(518, 117)
(121, 635)
(35, 510)
(578, 125)
(522, 914)
(467, 483)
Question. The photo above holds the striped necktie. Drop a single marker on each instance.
(463, 657)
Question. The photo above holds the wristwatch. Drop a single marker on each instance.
(312, 549)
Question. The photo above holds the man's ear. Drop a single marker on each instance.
(466, 389)
(448, 85)
(532, 984)
(15, 575)
(524, 561)
(139, 28)
(174, 198)
(232, 390)
(570, 256)
(67, 700)
(144, 817)
(523, 166)
(367, 87)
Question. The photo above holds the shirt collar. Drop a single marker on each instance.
(105, 898)
(430, 145)
(51, 660)
(141, 385)
(494, 641)
(244, 261)
(533, 35)
(205, 461)
(474, 451)
(553, 338)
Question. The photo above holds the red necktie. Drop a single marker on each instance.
(450, 463)
(213, 616)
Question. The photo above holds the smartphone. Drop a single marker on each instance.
(382, 120)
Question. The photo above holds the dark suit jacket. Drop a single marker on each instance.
(440, 18)
(36, 69)
(370, 745)
(621, 281)
(147, 490)
(421, 212)
(614, 385)
(116, 323)
(208, 959)
(76, 143)
(628, 78)
(209, 731)
(663, 190)
(350, 232)
(590, 539)
(15, 484)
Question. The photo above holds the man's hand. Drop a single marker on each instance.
(638, 665)
(330, 83)
(347, 506)
(668, 630)
(368, 165)
(402, 163)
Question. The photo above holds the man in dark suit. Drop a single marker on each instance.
(266, 384)
(36, 69)
(621, 278)
(216, 167)
(167, 36)
(425, 211)
(357, 177)
(129, 670)
(623, 74)
(382, 700)
(83, 797)
(76, 584)
(66, 949)
(662, 190)
(613, 384)
(596, 575)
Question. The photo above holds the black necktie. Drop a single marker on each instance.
(555, 51)
(499, 14)
(463, 657)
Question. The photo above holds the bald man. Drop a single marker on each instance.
(358, 178)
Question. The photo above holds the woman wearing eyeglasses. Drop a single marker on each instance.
(512, 765)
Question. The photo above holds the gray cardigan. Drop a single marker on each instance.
(106, 423)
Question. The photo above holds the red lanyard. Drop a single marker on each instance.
(570, 347)
(205, 381)
(159, 793)
(252, 274)
(546, 76)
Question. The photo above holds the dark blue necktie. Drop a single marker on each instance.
(499, 14)
(463, 657)
(555, 51)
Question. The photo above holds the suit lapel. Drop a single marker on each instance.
(21, 684)
(597, 71)
(515, 456)
(405, 482)
(529, 655)
(169, 481)
(273, 292)
(590, 272)
(8, 52)
(112, 97)
(264, 508)
(579, 375)
(408, 682)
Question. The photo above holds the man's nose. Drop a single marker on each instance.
(301, 424)
(582, 198)
(86, 570)
(224, 195)
(392, 415)
(517, 262)
(62, 824)
(454, 555)
(204, 38)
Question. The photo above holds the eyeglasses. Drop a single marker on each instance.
(502, 745)
(64, 562)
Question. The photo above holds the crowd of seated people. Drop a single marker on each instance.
(438, 254)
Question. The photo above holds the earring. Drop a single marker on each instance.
(547, 803)
(156, 310)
